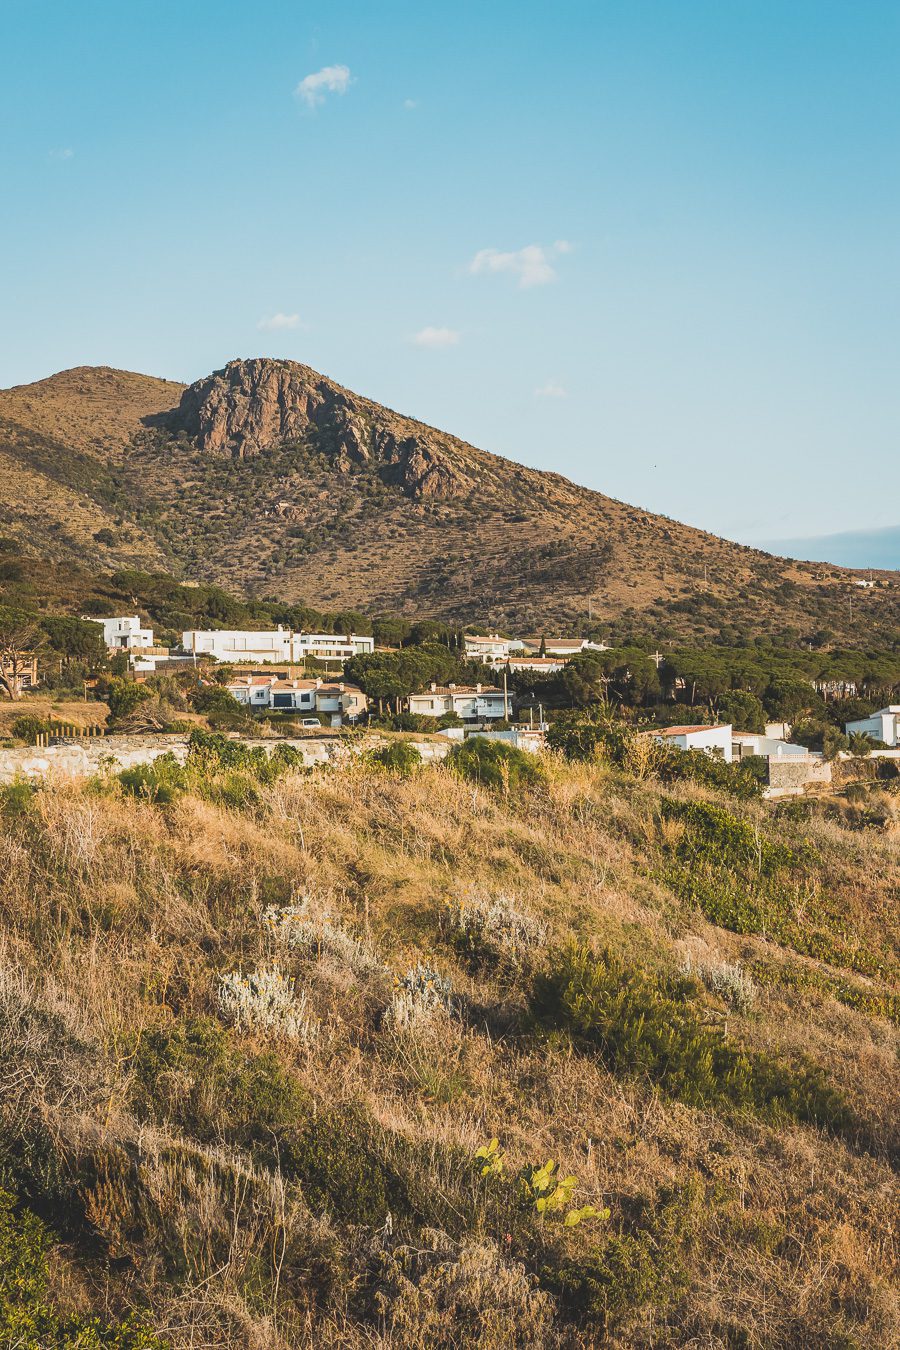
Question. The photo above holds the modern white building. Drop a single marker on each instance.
(715, 741)
(232, 644)
(123, 632)
(274, 646)
(744, 743)
(331, 646)
(883, 725)
(473, 703)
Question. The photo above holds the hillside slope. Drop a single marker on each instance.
(245, 1066)
(269, 477)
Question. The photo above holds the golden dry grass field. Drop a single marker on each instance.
(256, 1024)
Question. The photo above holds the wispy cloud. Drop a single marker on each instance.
(329, 80)
(532, 265)
(552, 389)
(436, 337)
(274, 322)
(62, 152)
(410, 103)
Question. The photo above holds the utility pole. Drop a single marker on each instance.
(505, 704)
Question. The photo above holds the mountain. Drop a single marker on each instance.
(850, 548)
(271, 478)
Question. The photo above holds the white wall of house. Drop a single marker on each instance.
(472, 704)
(233, 644)
(883, 725)
(773, 747)
(712, 740)
(124, 631)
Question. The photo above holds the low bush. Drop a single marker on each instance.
(491, 929)
(160, 781)
(496, 764)
(645, 1027)
(27, 1319)
(418, 996)
(192, 1076)
(265, 1000)
(400, 757)
(339, 1159)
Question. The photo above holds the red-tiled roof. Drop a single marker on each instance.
(686, 731)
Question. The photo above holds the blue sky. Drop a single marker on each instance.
(705, 317)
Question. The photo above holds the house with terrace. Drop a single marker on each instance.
(471, 703)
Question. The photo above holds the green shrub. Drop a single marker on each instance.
(16, 797)
(29, 727)
(27, 1320)
(645, 1027)
(124, 697)
(342, 1167)
(192, 1076)
(496, 764)
(160, 781)
(400, 757)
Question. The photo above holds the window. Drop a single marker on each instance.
(282, 700)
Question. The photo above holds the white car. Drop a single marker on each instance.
(311, 722)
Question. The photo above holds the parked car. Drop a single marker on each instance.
(311, 722)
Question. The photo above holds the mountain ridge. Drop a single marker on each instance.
(271, 477)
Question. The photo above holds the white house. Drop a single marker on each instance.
(331, 646)
(566, 647)
(123, 632)
(234, 644)
(278, 645)
(340, 701)
(711, 740)
(491, 649)
(883, 725)
(541, 665)
(473, 703)
(744, 743)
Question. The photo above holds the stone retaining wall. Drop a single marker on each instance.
(82, 758)
(790, 777)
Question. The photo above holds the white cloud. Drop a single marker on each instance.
(533, 265)
(552, 389)
(436, 337)
(276, 321)
(410, 103)
(63, 152)
(329, 80)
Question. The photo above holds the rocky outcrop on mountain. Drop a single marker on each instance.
(256, 405)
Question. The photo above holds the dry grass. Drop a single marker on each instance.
(118, 918)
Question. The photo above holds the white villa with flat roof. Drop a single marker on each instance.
(883, 725)
(275, 646)
(124, 632)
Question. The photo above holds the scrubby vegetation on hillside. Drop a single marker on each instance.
(394, 1054)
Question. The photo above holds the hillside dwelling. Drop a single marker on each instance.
(883, 725)
(541, 665)
(565, 647)
(746, 743)
(232, 644)
(473, 703)
(341, 702)
(490, 650)
(123, 632)
(715, 741)
(338, 647)
(253, 691)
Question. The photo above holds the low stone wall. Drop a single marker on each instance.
(790, 777)
(79, 758)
